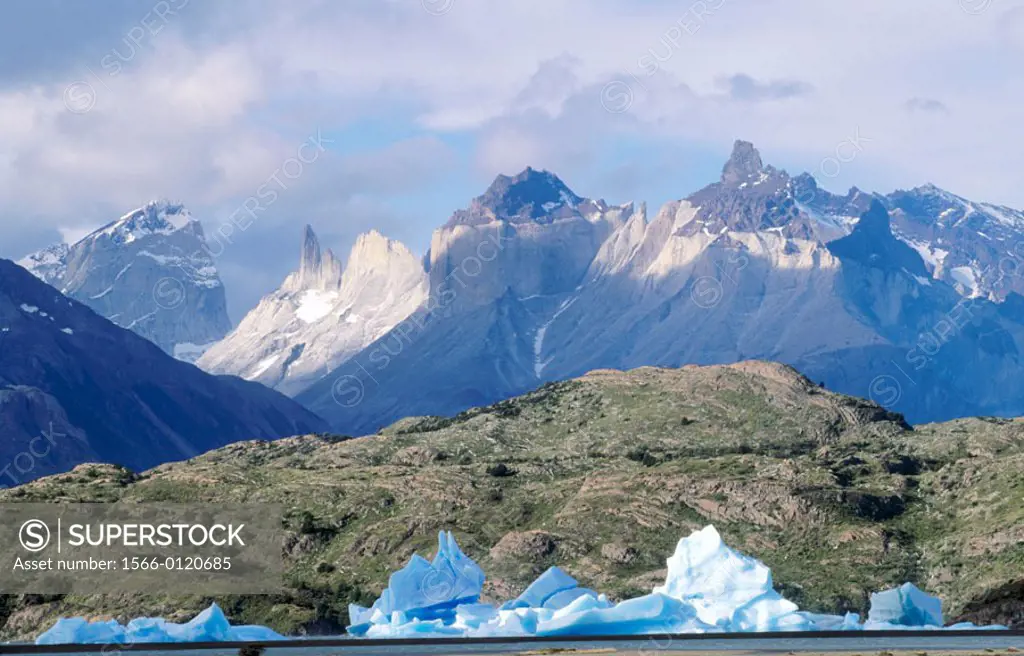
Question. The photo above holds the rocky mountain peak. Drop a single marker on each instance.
(157, 217)
(317, 268)
(150, 271)
(744, 163)
(373, 247)
(48, 264)
(875, 221)
(311, 259)
(531, 195)
(531, 191)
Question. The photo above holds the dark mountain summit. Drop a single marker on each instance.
(744, 163)
(529, 196)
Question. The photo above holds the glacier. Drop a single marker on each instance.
(709, 588)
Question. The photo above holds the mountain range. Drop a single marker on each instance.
(912, 298)
(893, 297)
(76, 388)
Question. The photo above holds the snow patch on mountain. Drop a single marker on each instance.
(49, 264)
(315, 304)
(538, 341)
(967, 278)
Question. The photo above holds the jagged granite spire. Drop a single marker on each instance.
(312, 259)
(311, 325)
(317, 268)
(744, 163)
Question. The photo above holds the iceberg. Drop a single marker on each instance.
(208, 626)
(716, 580)
(651, 614)
(554, 589)
(423, 590)
(905, 606)
(709, 588)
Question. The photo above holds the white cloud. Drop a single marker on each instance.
(210, 106)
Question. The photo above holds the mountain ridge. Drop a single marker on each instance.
(110, 394)
(758, 264)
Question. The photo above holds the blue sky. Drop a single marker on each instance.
(104, 106)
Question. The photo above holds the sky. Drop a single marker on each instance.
(391, 114)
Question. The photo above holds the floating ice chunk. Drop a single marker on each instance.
(566, 597)
(848, 622)
(413, 629)
(358, 616)
(473, 616)
(208, 626)
(425, 590)
(553, 589)
(714, 578)
(905, 606)
(653, 613)
(769, 612)
(79, 630)
(254, 633)
(518, 622)
(547, 584)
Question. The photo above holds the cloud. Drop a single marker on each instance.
(926, 105)
(209, 106)
(744, 88)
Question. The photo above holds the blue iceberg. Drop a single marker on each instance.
(424, 591)
(554, 589)
(905, 606)
(708, 588)
(208, 626)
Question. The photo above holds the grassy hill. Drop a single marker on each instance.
(602, 476)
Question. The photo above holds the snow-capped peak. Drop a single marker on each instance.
(158, 217)
(136, 269)
(48, 264)
(930, 190)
